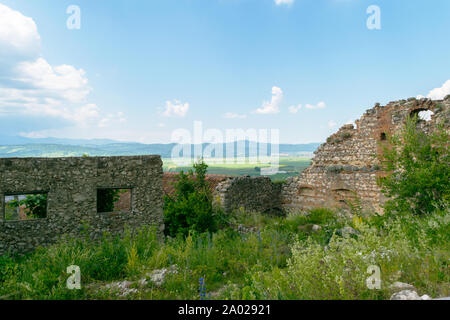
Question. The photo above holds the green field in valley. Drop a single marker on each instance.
(288, 167)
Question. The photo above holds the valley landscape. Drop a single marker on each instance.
(257, 151)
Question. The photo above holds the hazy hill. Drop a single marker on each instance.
(51, 147)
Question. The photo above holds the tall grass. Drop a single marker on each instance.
(414, 250)
(275, 258)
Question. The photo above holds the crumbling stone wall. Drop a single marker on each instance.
(253, 194)
(345, 168)
(71, 185)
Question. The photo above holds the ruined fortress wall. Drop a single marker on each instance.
(345, 168)
(71, 185)
(253, 194)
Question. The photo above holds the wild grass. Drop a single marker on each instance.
(276, 258)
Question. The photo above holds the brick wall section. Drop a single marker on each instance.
(346, 166)
(72, 185)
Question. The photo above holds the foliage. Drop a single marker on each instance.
(190, 208)
(276, 260)
(418, 167)
(42, 275)
(339, 269)
(35, 205)
(106, 199)
(248, 255)
(7, 268)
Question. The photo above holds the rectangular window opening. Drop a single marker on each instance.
(113, 199)
(25, 206)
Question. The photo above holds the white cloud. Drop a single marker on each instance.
(320, 105)
(31, 86)
(64, 81)
(86, 113)
(295, 109)
(332, 124)
(176, 108)
(230, 115)
(273, 106)
(18, 34)
(440, 93)
(280, 2)
(111, 119)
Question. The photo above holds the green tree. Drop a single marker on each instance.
(190, 207)
(35, 205)
(106, 199)
(418, 170)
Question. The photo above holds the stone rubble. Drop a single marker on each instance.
(157, 277)
(409, 295)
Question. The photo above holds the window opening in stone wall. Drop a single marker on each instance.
(426, 115)
(26, 206)
(113, 199)
(383, 136)
(422, 114)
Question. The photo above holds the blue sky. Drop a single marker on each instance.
(138, 70)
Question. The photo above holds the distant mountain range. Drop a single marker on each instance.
(19, 140)
(17, 146)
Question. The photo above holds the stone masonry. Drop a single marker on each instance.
(345, 168)
(253, 194)
(71, 185)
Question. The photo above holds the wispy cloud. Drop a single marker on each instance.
(295, 109)
(231, 115)
(320, 105)
(285, 2)
(176, 109)
(272, 106)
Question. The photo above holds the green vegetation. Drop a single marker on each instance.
(419, 170)
(320, 254)
(275, 258)
(35, 206)
(106, 199)
(190, 208)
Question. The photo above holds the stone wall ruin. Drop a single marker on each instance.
(252, 194)
(344, 170)
(71, 186)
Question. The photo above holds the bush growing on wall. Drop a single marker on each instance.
(418, 167)
(190, 207)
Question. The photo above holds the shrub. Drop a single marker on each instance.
(418, 170)
(42, 274)
(340, 269)
(35, 205)
(7, 268)
(190, 208)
